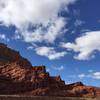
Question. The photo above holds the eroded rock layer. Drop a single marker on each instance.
(18, 76)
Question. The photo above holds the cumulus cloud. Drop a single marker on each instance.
(85, 45)
(39, 14)
(49, 52)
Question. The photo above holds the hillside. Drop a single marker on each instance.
(19, 77)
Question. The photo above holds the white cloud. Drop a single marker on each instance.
(38, 13)
(49, 52)
(78, 22)
(16, 36)
(96, 75)
(54, 31)
(93, 75)
(4, 37)
(34, 11)
(85, 45)
(58, 68)
(81, 75)
(30, 48)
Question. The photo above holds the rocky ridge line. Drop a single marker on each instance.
(18, 76)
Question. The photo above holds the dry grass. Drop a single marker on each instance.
(16, 97)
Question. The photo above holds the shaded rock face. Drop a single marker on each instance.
(18, 76)
(8, 55)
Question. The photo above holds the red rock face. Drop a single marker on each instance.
(18, 76)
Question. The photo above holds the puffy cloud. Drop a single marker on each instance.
(34, 11)
(85, 45)
(41, 14)
(36, 21)
(49, 52)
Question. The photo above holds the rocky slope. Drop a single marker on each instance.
(18, 76)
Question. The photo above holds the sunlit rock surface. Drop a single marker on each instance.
(18, 76)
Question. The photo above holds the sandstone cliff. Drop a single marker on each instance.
(18, 76)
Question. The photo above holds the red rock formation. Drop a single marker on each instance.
(18, 76)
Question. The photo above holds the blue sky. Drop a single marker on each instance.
(63, 35)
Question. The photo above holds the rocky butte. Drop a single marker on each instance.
(18, 76)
